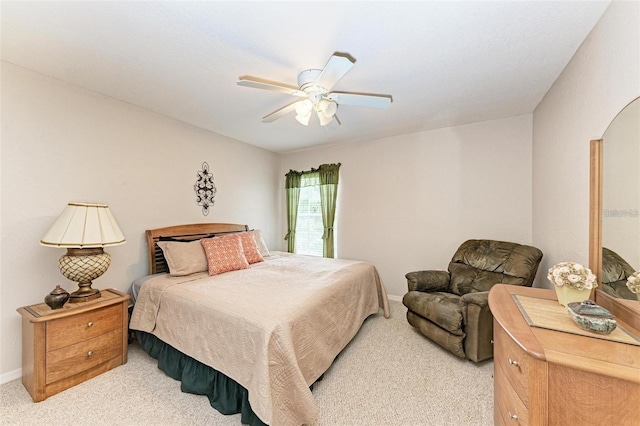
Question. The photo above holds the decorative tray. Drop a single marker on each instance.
(549, 314)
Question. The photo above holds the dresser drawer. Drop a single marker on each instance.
(508, 407)
(70, 360)
(514, 362)
(77, 328)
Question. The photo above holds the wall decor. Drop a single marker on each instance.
(205, 189)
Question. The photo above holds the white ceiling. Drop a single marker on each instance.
(444, 63)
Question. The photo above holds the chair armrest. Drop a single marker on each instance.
(477, 325)
(480, 299)
(428, 280)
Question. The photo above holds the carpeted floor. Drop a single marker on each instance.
(388, 375)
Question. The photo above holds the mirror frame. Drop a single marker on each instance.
(624, 310)
(595, 209)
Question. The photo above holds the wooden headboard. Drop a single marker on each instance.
(195, 231)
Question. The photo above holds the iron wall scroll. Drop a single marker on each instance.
(205, 189)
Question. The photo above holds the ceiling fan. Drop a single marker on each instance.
(313, 89)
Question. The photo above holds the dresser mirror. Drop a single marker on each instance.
(615, 211)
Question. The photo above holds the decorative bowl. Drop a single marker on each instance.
(592, 317)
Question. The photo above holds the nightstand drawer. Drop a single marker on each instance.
(514, 362)
(67, 331)
(70, 360)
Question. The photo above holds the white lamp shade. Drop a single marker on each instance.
(326, 111)
(303, 111)
(303, 119)
(84, 225)
(329, 108)
(324, 120)
(303, 108)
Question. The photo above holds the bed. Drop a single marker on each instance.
(259, 337)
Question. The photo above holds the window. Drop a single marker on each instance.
(309, 227)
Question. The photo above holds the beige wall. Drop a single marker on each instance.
(406, 203)
(601, 78)
(61, 143)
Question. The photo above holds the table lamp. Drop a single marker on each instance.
(84, 229)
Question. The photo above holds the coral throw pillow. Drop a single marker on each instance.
(224, 254)
(250, 247)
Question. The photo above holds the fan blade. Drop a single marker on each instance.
(280, 113)
(338, 65)
(361, 99)
(333, 124)
(259, 83)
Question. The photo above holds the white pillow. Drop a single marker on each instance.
(184, 258)
(262, 247)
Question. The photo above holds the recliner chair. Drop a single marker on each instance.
(451, 307)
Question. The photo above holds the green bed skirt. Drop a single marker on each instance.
(224, 393)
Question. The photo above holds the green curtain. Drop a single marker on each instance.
(328, 174)
(292, 186)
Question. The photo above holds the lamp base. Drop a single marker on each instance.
(84, 265)
(84, 294)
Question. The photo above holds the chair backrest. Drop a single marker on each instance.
(479, 264)
(615, 271)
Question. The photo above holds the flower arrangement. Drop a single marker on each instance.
(573, 275)
(633, 283)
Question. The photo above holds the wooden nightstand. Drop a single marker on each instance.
(64, 347)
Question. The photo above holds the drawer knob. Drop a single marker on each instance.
(513, 362)
(90, 353)
(513, 416)
(90, 324)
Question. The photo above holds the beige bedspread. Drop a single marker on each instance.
(273, 328)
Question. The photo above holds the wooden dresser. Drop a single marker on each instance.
(548, 377)
(64, 347)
